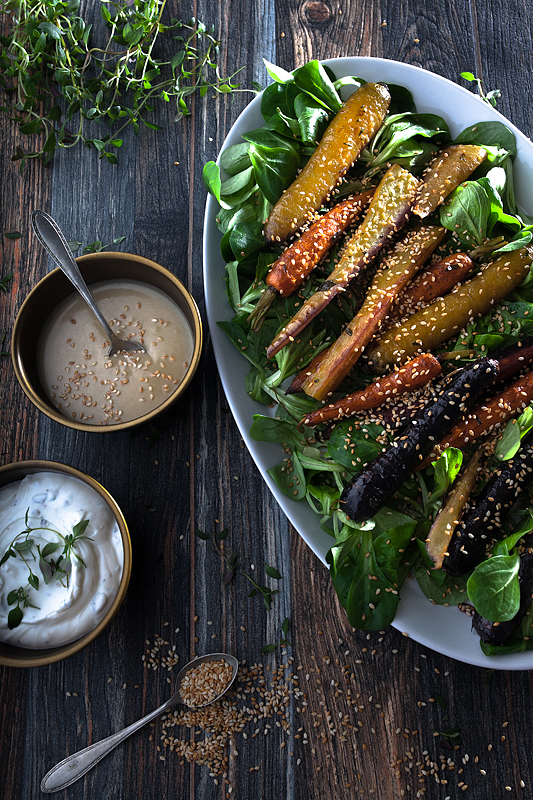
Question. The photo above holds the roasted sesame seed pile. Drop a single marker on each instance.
(260, 695)
(316, 714)
(205, 682)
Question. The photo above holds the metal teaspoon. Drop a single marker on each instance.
(53, 240)
(78, 764)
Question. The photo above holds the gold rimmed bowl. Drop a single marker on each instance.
(55, 287)
(14, 656)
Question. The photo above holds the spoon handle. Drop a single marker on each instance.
(51, 237)
(78, 764)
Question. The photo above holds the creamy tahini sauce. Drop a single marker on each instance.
(63, 614)
(87, 386)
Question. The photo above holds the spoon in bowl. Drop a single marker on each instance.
(52, 239)
(78, 764)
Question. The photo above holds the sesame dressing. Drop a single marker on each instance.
(84, 384)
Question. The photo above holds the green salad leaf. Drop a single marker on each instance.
(493, 588)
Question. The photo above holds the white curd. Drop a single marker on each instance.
(63, 614)
(84, 384)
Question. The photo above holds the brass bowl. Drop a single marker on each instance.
(14, 656)
(55, 287)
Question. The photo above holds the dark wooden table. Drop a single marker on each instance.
(375, 705)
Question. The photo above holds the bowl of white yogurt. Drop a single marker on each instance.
(60, 350)
(65, 561)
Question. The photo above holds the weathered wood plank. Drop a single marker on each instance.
(193, 470)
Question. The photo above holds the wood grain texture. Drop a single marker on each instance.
(372, 705)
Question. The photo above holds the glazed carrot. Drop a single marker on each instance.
(298, 260)
(441, 320)
(488, 416)
(448, 169)
(381, 478)
(483, 520)
(447, 519)
(432, 282)
(398, 269)
(345, 137)
(515, 357)
(389, 210)
(413, 375)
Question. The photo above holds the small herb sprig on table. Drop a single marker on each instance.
(58, 80)
(232, 563)
(59, 568)
(94, 247)
(266, 593)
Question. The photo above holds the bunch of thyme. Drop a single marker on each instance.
(56, 80)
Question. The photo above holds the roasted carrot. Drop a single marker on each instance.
(432, 282)
(426, 329)
(298, 260)
(382, 477)
(488, 416)
(389, 210)
(514, 358)
(413, 375)
(403, 263)
(448, 169)
(447, 519)
(483, 520)
(345, 137)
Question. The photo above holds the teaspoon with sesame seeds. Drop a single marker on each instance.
(78, 764)
(53, 240)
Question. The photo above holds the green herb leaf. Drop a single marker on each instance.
(13, 596)
(14, 618)
(211, 178)
(80, 528)
(272, 572)
(515, 430)
(51, 30)
(33, 580)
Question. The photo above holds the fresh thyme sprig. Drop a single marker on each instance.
(266, 593)
(59, 81)
(59, 568)
(232, 563)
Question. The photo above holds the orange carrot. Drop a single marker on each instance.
(433, 282)
(416, 373)
(389, 210)
(404, 262)
(494, 413)
(298, 260)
